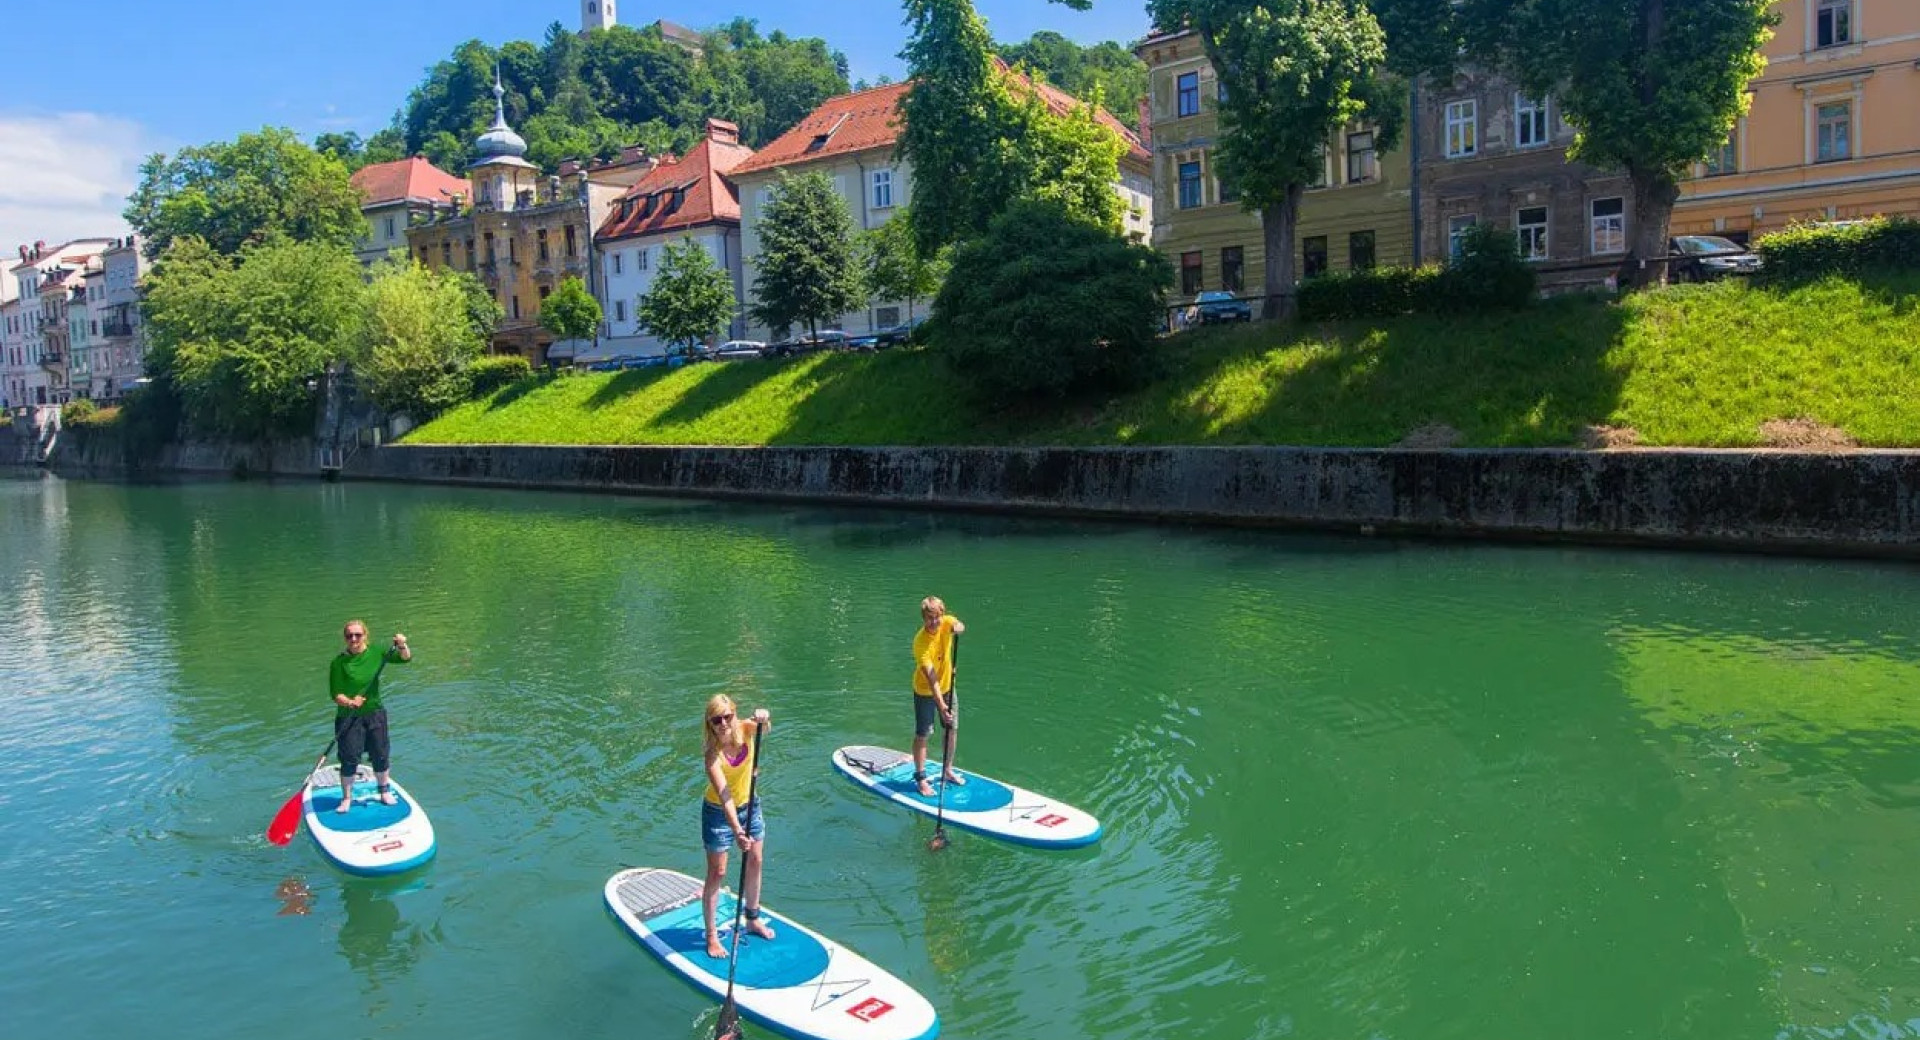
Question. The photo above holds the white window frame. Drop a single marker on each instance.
(1532, 122)
(1463, 129)
(1179, 95)
(640, 259)
(1457, 226)
(1850, 9)
(1613, 225)
(620, 311)
(1846, 122)
(617, 262)
(881, 186)
(1535, 237)
(1370, 168)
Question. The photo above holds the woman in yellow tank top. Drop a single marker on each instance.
(730, 766)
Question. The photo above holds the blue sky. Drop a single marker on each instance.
(93, 90)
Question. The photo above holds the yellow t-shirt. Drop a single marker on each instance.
(936, 649)
(737, 776)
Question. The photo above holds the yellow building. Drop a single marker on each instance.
(1359, 216)
(1831, 134)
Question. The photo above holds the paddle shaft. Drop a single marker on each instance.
(952, 722)
(287, 820)
(729, 1013)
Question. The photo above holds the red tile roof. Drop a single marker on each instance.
(413, 178)
(869, 119)
(705, 197)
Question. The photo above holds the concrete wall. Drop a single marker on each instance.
(1855, 503)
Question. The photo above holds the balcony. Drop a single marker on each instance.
(114, 328)
(52, 359)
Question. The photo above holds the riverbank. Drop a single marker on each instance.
(1725, 365)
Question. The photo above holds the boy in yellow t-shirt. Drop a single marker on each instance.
(933, 686)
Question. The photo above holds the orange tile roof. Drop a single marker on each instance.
(414, 178)
(867, 119)
(708, 197)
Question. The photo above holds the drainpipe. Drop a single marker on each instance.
(1413, 130)
(861, 187)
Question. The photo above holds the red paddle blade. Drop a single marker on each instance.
(286, 822)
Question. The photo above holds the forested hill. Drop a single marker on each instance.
(582, 96)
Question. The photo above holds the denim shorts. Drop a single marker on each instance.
(717, 836)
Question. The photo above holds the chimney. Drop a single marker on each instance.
(1146, 122)
(723, 131)
(23, 254)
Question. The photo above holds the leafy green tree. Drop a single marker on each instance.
(893, 268)
(416, 337)
(807, 269)
(231, 193)
(1046, 305)
(1070, 158)
(1292, 72)
(692, 297)
(483, 311)
(241, 337)
(571, 312)
(345, 147)
(1105, 70)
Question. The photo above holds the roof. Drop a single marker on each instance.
(867, 119)
(706, 196)
(412, 179)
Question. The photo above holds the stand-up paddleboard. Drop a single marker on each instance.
(800, 984)
(371, 839)
(982, 804)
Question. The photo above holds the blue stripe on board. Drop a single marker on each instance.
(791, 958)
(978, 794)
(367, 814)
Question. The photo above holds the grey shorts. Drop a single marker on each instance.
(926, 712)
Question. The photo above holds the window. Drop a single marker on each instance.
(886, 317)
(1232, 263)
(640, 259)
(572, 243)
(1360, 251)
(1190, 273)
(540, 238)
(1833, 23)
(1726, 158)
(446, 254)
(545, 291)
(516, 305)
(1529, 122)
(389, 228)
(490, 255)
(1530, 225)
(1317, 178)
(883, 191)
(1314, 256)
(1360, 159)
(1833, 135)
(469, 254)
(1463, 128)
(1190, 193)
(1226, 190)
(425, 257)
(619, 310)
(1188, 88)
(1457, 226)
(1609, 225)
(616, 263)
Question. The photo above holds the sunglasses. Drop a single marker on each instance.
(356, 635)
(721, 720)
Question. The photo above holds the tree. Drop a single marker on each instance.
(1291, 72)
(807, 270)
(232, 193)
(571, 312)
(892, 266)
(416, 335)
(1106, 70)
(692, 297)
(1650, 86)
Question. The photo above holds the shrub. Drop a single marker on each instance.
(1809, 252)
(1045, 305)
(491, 373)
(1487, 276)
(77, 411)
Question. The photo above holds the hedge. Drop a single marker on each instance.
(488, 374)
(1487, 276)
(1809, 252)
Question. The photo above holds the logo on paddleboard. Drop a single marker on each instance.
(870, 1009)
(387, 846)
(1051, 820)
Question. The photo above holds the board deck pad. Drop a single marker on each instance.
(372, 838)
(799, 984)
(982, 804)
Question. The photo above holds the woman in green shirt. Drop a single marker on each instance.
(359, 719)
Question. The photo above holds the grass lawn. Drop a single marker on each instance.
(1702, 365)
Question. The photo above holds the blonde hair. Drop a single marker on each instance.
(363, 628)
(716, 704)
(934, 604)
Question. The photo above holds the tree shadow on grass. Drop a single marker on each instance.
(624, 383)
(724, 383)
(515, 392)
(896, 397)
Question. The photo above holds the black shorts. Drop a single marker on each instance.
(362, 734)
(925, 713)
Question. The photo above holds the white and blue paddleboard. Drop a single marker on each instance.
(800, 984)
(982, 804)
(371, 839)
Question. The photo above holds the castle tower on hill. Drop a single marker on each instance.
(597, 14)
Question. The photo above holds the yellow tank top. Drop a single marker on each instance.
(736, 774)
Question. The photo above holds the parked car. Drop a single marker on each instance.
(898, 335)
(794, 346)
(1219, 307)
(1699, 258)
(865, 342)
(738, 350)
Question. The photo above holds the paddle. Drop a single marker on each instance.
(729, 1025)
(939, 839)
(286, 822)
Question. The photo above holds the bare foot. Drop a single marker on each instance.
(926, 789)
(714, 949)
(759, 928)
(954, 778)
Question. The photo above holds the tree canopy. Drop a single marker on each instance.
(570, 311)
(692, 296)
(807, 271)
(1105, 70)
(232, 193)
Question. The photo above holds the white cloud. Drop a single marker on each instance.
(66, 175)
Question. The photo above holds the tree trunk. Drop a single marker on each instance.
(1654, 193)
(1280, 225)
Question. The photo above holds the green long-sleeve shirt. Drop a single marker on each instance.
(355, 674)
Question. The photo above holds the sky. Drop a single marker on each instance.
(92, 91)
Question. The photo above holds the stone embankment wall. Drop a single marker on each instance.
(1852, 503)
(85, 452)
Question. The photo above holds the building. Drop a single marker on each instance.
(38, 370)
(1490, 155)
(83, 327)
(120, 360)
(394, 195)
(597, 14)
(1359, 215)
(686, 198)
(851, 140)
(1830, 134)
(522, 233)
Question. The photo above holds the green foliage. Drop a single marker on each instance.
(1048, 305)
(491, 373)
(483, 311)
(891, 265)
(1810, 252)
(232, 193)
(1102, 71)
(78, 411)
(807, 272)
(1068, 159)
(692, 297)
(416, 338)
(571, 312)
(1488, 276)
(240, 337)
(150, 416)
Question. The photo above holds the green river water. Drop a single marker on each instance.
(1353, 789)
